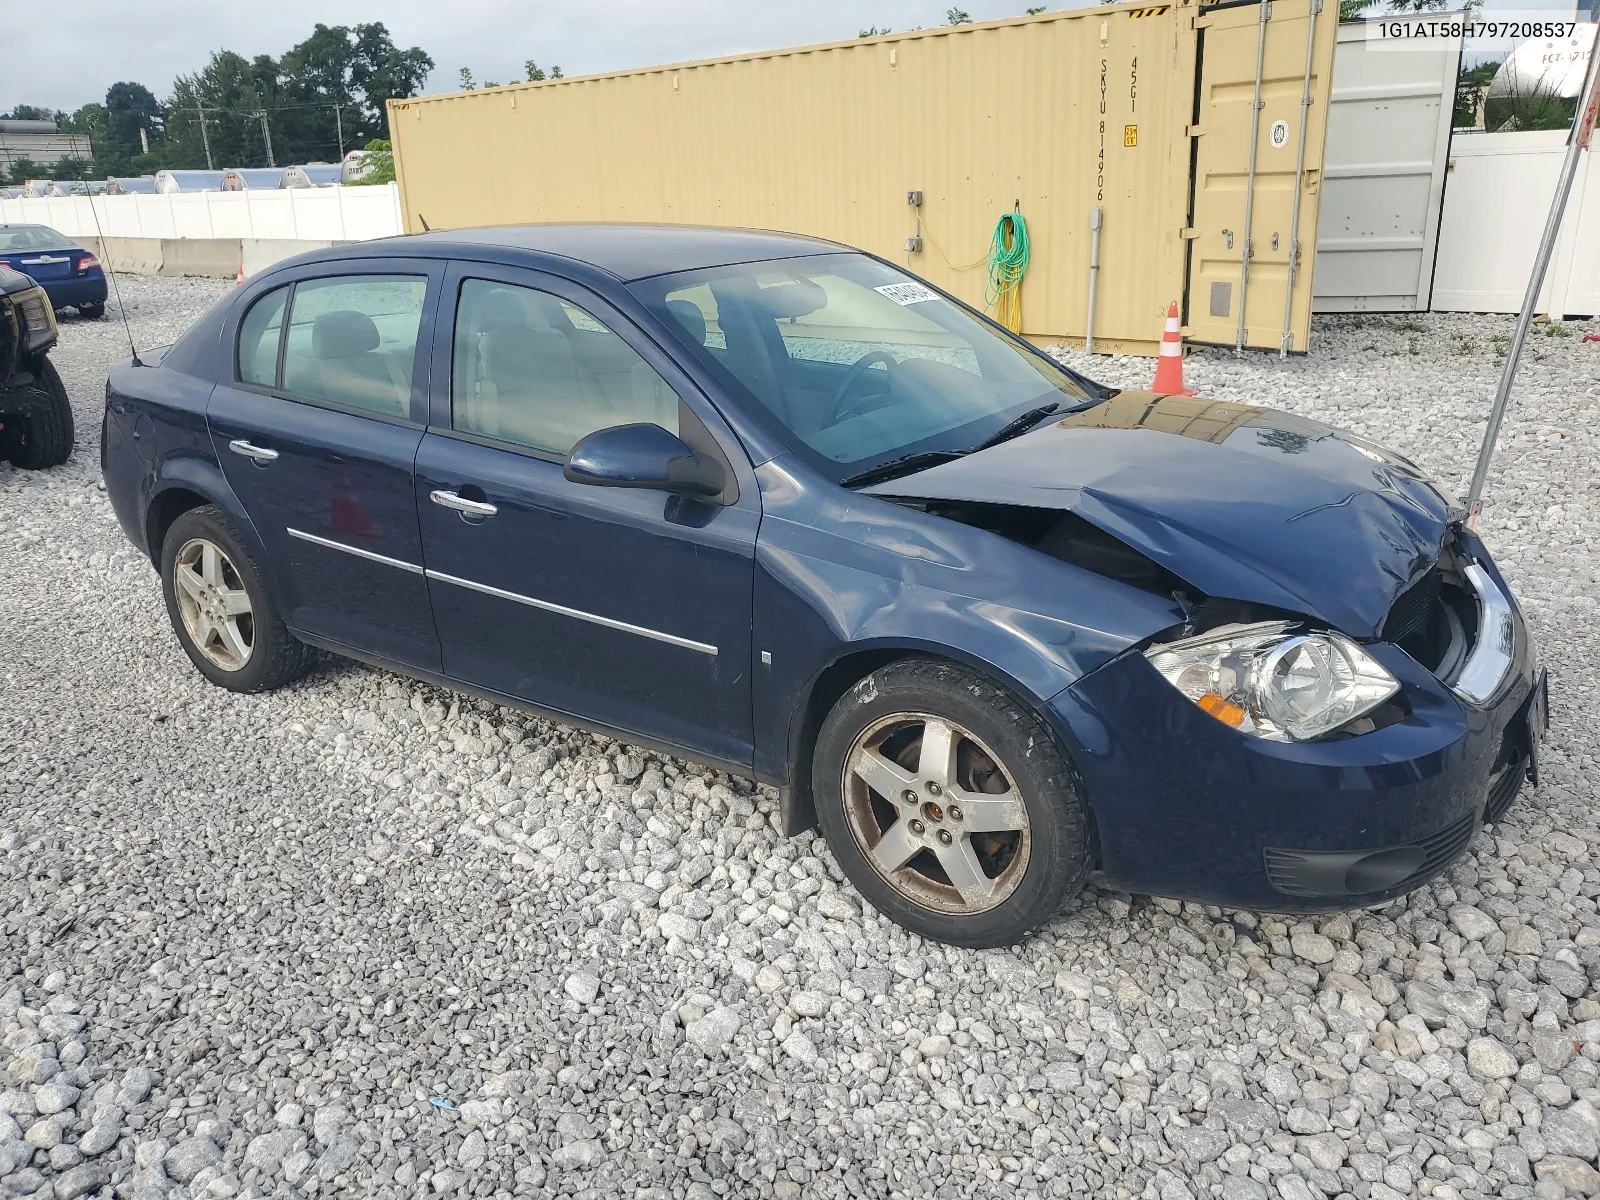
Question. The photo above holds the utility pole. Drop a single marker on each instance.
(205, 134)
(266, 135)
(338, 121)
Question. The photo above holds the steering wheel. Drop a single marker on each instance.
(853, 376)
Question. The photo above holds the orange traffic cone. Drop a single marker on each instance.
(238, 276)
(1169, 367)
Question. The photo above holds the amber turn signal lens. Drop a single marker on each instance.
(1225, 711)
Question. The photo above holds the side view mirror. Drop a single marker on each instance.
(642, 456)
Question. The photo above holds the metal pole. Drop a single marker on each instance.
(338, 120)
(1577, 141)
(266, 136)
(205, 135)
(1287, 339)
(1095, 215)
(1250, 182)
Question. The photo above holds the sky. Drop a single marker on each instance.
(154, 41)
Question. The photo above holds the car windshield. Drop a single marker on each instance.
(32, 237)
(855, 364)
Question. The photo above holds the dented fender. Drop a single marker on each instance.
(842, 576)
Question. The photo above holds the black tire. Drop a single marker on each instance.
(92, 312)
(38, 434)
(1059, 842)
(276, 657)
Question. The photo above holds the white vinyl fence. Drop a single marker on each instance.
(337, 214)
(1496, 199)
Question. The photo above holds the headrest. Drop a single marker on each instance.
(511, 353)
(501, 306)
(343, 334)
(690, 317)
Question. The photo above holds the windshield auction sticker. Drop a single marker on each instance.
(907, 293)
(1482, 33)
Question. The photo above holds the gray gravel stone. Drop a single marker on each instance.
(191, 1156)
(1488, 1059)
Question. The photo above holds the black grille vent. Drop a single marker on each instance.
(1305, 873)
(1503, 789)
(1413, 610)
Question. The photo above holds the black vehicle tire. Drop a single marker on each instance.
(221, 582)
(1005, 766)
(92, 312)
(40, 434)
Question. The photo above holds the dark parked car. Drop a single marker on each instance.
(35, 413)
(70, 275)
(774, 504)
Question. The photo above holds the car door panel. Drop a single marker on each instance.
(630, 608)
(337, 511)
(331, 494)
(593, 601)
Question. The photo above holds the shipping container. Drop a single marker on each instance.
(1184, 125)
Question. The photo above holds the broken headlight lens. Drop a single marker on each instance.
(1267, 681)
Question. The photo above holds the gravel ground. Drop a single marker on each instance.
(365, 936)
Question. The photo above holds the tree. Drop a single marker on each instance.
(957, 16)
(24, 169)
(873, 31)
(383, 72)
(465, 76)
(536, 73)
(1034, 12)
(31, 112)
(71, 167)
(131, 107)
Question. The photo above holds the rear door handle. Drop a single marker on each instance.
(475, 508)
(255, 453)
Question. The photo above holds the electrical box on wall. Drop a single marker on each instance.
(914, 198)
(913, 245)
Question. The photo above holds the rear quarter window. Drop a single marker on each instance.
(257, 356)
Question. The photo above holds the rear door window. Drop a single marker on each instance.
(352, 341)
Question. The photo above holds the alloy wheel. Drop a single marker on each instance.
(935, 813)
(216, 609)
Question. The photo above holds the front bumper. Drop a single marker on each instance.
(1187, 807)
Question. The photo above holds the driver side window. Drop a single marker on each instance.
(534, 370)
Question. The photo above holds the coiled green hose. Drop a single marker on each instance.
(1008, 263)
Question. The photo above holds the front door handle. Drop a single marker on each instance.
(254, 453)
(474, 508)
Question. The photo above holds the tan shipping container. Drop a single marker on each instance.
(1054, 115)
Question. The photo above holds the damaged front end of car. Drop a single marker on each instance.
(1351, 690)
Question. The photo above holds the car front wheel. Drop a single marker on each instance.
(949, 804)
(220, 609)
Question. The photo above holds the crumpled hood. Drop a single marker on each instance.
(1241, 502)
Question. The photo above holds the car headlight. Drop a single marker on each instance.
(1266, 681)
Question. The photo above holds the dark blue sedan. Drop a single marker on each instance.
(70, 275)
(774, 504)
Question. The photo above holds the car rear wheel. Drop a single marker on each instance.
(949, 804)
(220, 610)
(92, 312)
(38, 433)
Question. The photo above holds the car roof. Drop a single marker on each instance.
(631, 252)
